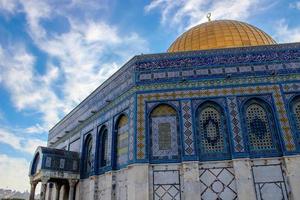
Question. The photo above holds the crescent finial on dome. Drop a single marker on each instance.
(208, 16)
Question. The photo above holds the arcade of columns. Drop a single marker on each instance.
(58, 186)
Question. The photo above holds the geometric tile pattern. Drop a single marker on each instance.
(131, 128)
(269, 182)
(234, 115)
(166, 185)
(187, 122)
(283, 120)
(291, 87)
(217, 183)
(247, 90)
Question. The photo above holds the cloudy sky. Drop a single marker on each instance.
(53, 53)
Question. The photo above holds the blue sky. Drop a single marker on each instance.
(54, 53)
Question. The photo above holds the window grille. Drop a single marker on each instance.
(297, 114)
(211, 130)
(258, 127)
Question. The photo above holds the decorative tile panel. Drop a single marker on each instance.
(236, 128)
(236, 56)
(291, 87)
(218, 183)
(273, 89)
(187, 122)
(131, 129)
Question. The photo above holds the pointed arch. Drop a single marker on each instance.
(35, 164)
(212, 132)
(261, 129)
(121, 140)
(88, 155)
(295, 112)
(164, 133)
(102, 147)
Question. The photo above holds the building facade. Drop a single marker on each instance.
(216, 117)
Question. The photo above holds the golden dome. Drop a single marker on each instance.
(220, 34)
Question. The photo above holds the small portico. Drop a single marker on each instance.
(55, 166)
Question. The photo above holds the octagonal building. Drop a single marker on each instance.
(217, 117)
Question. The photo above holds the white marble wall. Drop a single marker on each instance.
(87, 188)
(226, 179)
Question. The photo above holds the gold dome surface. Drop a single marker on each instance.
(220, 34)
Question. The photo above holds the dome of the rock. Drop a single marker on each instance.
(220, 34)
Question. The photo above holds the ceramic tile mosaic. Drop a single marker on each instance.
(236, 128)
(188, 132)
(247, 90)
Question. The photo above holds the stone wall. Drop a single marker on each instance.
(247, 179)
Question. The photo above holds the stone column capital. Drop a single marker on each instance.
(72, 182)
(33, 183)
(45, 179)
(58, 185)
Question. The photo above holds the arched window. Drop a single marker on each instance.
(213, 139)
(164, 132)
(88, 155)
(103, 147)
(35, 164)
(122, 140)
(261, 128)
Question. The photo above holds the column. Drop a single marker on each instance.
(57, 192)
(244, 180)
(50, 191)
(138, 182)
(44, 182)
(292, 164)
(32, 189)
(72, 183)
(191, 180)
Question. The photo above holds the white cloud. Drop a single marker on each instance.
(78, 61)
(295, 5)
(37, 128)
(184, 14)
(286, 34)
(9, 5)
(20, 143)
(28, 89)
(14, 173)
